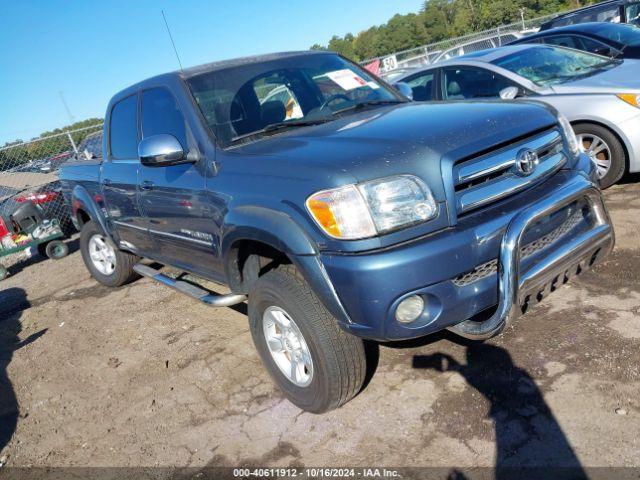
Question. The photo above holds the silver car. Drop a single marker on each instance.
(599, 95)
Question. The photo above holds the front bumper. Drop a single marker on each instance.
(371, 285)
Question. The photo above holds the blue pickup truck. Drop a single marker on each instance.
(337, 208)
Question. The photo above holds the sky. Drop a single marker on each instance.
(89, 50)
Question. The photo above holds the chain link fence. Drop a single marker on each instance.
(454, 47)
(29, 172)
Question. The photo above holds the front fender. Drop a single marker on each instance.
(280, 231)
(268, 226)
(81, 199)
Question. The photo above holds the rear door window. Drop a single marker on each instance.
(468, 83)
(123, 129)
(161, 114)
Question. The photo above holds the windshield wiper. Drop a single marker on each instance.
(369, 103)
(274, 127)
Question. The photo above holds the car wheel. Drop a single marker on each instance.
(107, 264)
(56, 250)
(315, 363)
(605, 151)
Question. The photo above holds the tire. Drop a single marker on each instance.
(56, 250)
(42, 249)
(123, 262)
(617, 155)
(338, 363)
(4, 273)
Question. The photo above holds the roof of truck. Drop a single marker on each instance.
(208, 67)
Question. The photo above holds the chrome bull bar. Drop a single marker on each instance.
(513, 287)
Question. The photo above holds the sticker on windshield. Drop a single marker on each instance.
(347, 79)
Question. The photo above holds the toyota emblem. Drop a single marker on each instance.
(526, 162)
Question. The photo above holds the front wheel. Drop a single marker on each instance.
(315, 363)
(605, 151)
(107, 264)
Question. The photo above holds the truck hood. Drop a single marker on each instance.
(411, 138)
(624, 77)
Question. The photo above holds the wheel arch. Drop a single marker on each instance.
(84, 208)
(258, 239)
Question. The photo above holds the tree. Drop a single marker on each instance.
(439, 20)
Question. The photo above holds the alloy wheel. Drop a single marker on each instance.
(598, 151)
(287, 346)
(102, 254)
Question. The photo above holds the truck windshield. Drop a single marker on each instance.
(550, 65)
(245, 102)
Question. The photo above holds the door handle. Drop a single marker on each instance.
(146, 185)
(106, 182)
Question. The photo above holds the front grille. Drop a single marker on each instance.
(480, 181)
(491, 267)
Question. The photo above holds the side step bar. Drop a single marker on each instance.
(189, 289)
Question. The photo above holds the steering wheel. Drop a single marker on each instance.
(333, 98)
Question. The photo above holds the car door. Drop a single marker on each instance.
(173, 198)
(119, 177)
(468, 83)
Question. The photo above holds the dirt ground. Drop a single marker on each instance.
(142, 376)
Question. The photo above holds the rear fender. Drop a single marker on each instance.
(81, 199)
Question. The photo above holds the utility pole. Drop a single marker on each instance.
(522, 18)
(72, 119)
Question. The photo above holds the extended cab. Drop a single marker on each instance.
(339, 209)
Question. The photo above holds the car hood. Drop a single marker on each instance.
(411, 138)
(624, 77)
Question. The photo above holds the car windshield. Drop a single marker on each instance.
(550, 65)
(245, 102)
(618, 32)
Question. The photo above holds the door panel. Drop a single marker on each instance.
(119, 188)
(174, 201)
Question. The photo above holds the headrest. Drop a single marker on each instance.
(273, 111)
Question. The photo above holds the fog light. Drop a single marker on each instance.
(410, 309)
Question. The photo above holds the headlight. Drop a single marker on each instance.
(372, 208)
(630, 98)
(569, 134)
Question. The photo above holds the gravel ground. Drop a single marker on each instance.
(142, 376)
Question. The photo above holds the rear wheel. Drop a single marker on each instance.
(56, 250)
(315, 363)
(605, 151)
(107, 264)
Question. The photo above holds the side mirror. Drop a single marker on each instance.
(161, 151)
(404, 89)
(509, 93)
